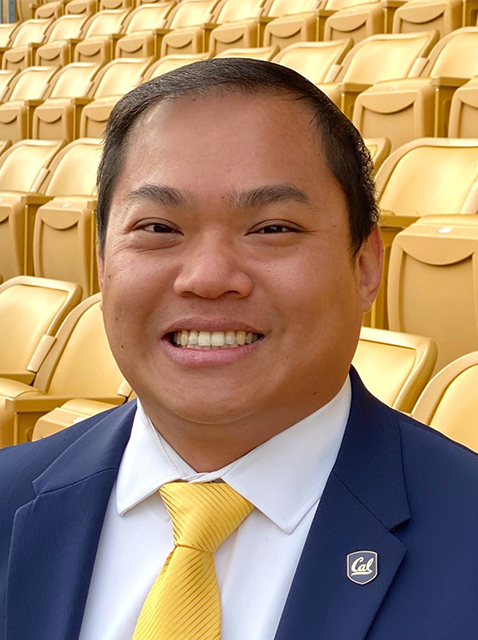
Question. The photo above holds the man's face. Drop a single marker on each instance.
(226, 225)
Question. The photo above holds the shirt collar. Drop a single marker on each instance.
(284, 477)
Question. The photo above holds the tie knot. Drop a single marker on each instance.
(204, 515)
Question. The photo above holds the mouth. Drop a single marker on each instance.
(211, 340)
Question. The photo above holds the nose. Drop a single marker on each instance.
(212, 268)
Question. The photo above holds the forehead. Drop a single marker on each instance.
(226, 132)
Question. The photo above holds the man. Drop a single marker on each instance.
(238, 251)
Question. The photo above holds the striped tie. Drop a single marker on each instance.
(184, 602)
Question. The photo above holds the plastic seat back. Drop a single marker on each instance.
(30, 31)
(257, 53)
(314, 59)
(174, 61)
(105, 22)
(81, 363)
(6, 77)
(66, 180)
(433, 283)
(23, 166)
(67, 27)
(395, 367)
(455, 56)
(31, 84)
(119, 76)
(74, 80)
(233, 11)
(6, 32)
(449, 403)
(386, 57)
(430, 176)
(191, 13)
(145, 16)
(31, 311)
(280, 8)
(464, 111)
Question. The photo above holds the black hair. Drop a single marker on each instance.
(345, 151)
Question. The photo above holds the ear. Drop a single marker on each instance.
(369, 268)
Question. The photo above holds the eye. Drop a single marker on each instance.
(276, 228)
(159, 227)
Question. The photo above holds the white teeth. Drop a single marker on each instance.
(213, 340)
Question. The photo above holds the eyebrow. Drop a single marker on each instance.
(163, 195)
(266, 195)
(245, 199)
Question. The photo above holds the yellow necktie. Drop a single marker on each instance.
(184, 602)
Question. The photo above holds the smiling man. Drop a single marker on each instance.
(255, 491)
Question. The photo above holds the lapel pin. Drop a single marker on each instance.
(362, 566)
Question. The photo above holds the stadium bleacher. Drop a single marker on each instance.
(405, 72)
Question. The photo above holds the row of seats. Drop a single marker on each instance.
(58, 368)
(399, 86)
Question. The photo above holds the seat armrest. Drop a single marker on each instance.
(25, 377)
(389, 219)
(444, 81)
(352, 87)
(47, 403)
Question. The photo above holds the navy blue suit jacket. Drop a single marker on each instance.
(397, 488)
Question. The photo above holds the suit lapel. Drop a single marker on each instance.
(55, 536)
(364, 499)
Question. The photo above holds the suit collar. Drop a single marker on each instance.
(364, 499)
(55, 536)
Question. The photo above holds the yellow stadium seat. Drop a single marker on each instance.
(112, 82)
(464, 111)
(6, 78)
(23, 168)
(101, 34)
(116, 4)
(420, 107)
(6, 33)
(79, 364)
(169, 63)
(419, 15)
(357, 22)
(58, 118)
(48, 10)
(378, 58)
(395, 367)
(314, 60)
(81, 7)
(26, 91)
(449, 403)
(423, 178)
(70, 413)
(189, 27)
(292, 21)
(60, 45)
(64, 238)
(239, 26)
(31, 312)
(433, 282)
(26, 39)
(144, 30)
(258, 53)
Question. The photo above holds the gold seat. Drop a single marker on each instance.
(464, 111)
(395, 367)
(26, 91)
(31, 312)
(418, 15)
(112, 82)
(358, 21)
(426, 177)
(449, 403)
(101, 33)
(79, 364)
(58, 118)
(64, 239)
(239, 26)
(25, 41)
(378, 58)
(169, 63)
(61, 40)
(189, 27)
(433, 283)
(144, 30)
(420, 107)
(292, 21)
(258, 53)
(23, 169)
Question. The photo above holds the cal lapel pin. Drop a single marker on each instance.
(362, 566)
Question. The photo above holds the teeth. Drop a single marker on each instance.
(214, 339)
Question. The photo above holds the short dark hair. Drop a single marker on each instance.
(345, 151)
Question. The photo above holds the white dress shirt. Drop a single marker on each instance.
(283, 478)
